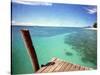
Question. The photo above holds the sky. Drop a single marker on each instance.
(52, 14)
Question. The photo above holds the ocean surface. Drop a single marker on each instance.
(75, 45)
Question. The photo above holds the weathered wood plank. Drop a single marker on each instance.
(43, 68)
(51, 66)
(58, 67)
(54, 66)
(72, 68)
(85, 68)
(67, 68)
(62, 66)
(77, 67)
(40, 70)
(82, 68)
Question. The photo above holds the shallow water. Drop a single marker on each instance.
(76, 45)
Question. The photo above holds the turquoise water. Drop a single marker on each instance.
(76, 45)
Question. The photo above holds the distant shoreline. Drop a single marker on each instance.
(91, 28)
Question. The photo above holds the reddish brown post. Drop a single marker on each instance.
(28, 43)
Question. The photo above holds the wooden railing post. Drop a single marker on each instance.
(28, 43)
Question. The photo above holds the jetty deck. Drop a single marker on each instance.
(61, 66)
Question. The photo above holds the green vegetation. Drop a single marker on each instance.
(95, 25)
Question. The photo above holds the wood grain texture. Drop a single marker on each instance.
(62, 66)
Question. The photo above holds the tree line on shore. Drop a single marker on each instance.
(95, 25)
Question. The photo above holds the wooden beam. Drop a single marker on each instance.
(28, 43)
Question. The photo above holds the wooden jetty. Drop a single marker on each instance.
(57, 66)
(61, 66)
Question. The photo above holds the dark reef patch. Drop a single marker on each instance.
(68, 53)
(85, 43)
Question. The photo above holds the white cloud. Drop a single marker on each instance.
(91, 10)
(35, 23)
(46, 23)
(28, 2)
(21, 23)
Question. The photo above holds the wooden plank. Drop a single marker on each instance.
(43, 68)
(72, 68)
(90, 68)
(57, 69)
(86, 68)
(63, 67)
(82, 68)
(77, 67)
(40, 70)
(68, 67)
(54, 66)
(51, 66)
